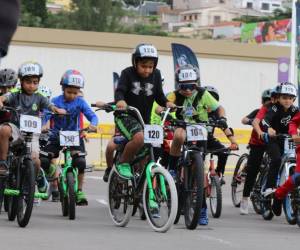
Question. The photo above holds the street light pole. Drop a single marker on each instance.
(293, 71)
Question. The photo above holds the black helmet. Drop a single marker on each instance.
(213, 91)
(266, 95)
(144, 50)
(8, 78)
(186, 74)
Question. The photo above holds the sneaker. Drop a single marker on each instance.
(81, 199)
(154, 209)
(42, 184)
(124, 170)
(173, 173)
(55, 196)
(277, 206)
(244, 208)
(106, 174)
(203, 219)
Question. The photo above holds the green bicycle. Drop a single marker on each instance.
(150, 181)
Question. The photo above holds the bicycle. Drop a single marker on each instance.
(20, 181)
(213, 183)
(150, 179)
(190, 172)
(288, 163)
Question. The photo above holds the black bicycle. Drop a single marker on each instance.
(20, 182)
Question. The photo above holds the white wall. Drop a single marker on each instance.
(240, 83)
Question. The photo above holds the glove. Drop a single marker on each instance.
(234, 146)
(265, 138)
(222, 122)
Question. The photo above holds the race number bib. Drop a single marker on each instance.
(69, 138)
(30, 124)
(153, 134)
(187, 75)
(196, 133)
(148, 51)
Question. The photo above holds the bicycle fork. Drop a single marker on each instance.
(150, 184)
(66, 169)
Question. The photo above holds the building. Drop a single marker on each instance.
(56, 6)
(264, 6)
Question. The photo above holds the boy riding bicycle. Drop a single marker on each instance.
(72, 81)
(29, 102)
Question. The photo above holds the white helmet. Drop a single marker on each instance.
(287, 88)
(30, 69)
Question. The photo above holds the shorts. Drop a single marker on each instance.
(17, 139)
(128, 125)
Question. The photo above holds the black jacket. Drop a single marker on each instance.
(140, 92)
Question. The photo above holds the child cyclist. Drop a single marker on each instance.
(276, 122)
(257, 149)
(139, 86)
(29, 102)
(8, 80)
(72, 81)
(197, 103)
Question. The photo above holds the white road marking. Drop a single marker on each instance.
(102, 201)
(94, 177)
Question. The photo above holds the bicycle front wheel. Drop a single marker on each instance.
(238, 180)
(215, 198)
(120, 199)
(194, 190)
(26, 197)
(162, 218)
(71, 196)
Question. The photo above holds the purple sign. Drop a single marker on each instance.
(283, 69)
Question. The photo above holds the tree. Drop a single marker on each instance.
(33, 13)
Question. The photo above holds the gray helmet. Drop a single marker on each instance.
(266, 94)
(213, 91)
(187, 73)
(8, 78)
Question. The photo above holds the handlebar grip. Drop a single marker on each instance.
(93, 105)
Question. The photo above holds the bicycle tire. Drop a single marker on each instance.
(63, 199)
(71, 196)
(171, 202)
(119, 189)
(217, 210)
(288, 209)
(12, 201)
(237, 180)
(193, 180)
(27, 188)
(180, 191)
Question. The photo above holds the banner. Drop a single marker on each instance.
(183, 55)
(267, 32)
(283, 69)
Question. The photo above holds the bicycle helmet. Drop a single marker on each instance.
(213, 91)
(187, 74)
(72, 78)
(287, 88)
(266, 95)
(30, 69)
(144, 50)
(45, 91)
(8, 78)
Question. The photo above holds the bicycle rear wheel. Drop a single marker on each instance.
(194, 190)
(215, 198)
(63, 198)
(238, 180)
(167, 205)
(120, 199)
(26, 197)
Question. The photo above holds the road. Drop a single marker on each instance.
(93, 229)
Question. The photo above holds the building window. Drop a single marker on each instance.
(196, 17)
(184, 18)
(221, 1)
(217, 19)
(265, 6)
(190, 17)
(276, 5)
(249, 5)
